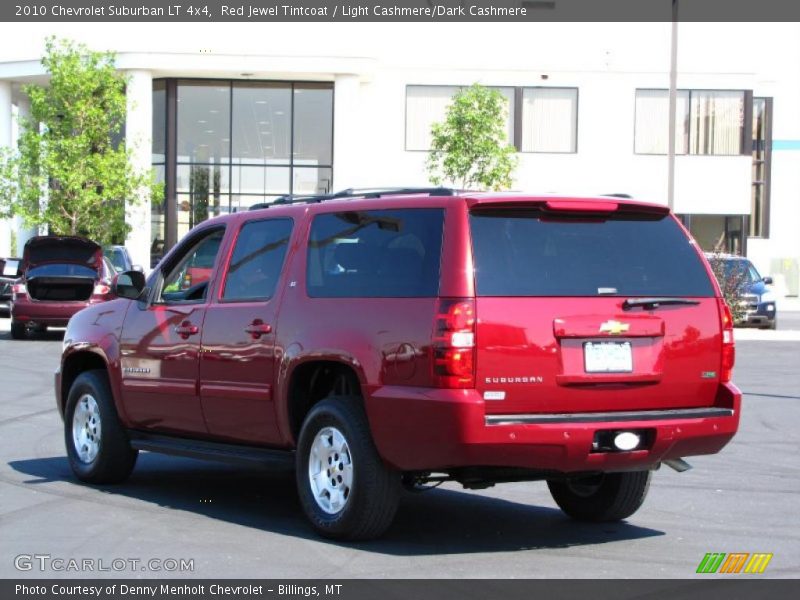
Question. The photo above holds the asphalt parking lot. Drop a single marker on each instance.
(234, 522)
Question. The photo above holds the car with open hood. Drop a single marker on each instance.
(59, 275)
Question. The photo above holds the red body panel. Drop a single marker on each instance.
(423, 429)
(57, 314)
(538, 361)
(223, 383)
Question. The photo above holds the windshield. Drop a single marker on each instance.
(117, 258)
(10, 268)
(742, 270)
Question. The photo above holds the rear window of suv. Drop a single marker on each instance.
(375, 254)
(529, 253)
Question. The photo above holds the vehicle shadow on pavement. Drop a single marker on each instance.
(441, 521)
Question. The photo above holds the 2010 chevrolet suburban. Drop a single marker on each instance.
(396, 338)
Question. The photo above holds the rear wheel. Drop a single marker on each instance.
(18, 330)
(97, 446)
(345, 489)
(603, 497)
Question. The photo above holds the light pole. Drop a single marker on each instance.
(673, 101)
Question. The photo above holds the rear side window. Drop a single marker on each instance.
(257, 260)
(375, 254)
(525, 253)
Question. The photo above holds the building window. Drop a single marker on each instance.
(427, 104)
(549, 120)
(224, 145)
(762, 159)
(157, 224)
(652, 122)
(707, 122)
(717, 233)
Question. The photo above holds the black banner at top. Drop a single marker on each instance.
(399, 10)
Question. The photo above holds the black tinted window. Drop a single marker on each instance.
(524, 253)
(380, 253)
(257, 260)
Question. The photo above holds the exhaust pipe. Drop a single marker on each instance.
(678, 464)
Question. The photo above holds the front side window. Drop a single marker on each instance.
(257, 260)
(375, 254)
(188, 280)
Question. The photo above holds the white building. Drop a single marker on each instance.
(234, 114)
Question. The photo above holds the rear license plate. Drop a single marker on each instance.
(607, 357)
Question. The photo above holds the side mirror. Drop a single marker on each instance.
(138, 268)
(128, 285)
(767, 280)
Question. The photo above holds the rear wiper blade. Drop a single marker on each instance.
(651, 303)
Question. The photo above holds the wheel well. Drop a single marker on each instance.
(315, 381)
(76, 364)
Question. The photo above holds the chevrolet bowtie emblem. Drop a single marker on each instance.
(614, 327)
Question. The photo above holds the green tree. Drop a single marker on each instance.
(469, 148)
(733, 280)
(70, 171)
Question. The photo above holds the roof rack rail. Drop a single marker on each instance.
(617, 195)
(356, 193)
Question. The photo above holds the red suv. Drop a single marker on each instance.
(388, 339)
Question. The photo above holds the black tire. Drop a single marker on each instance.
(115, 459)
(18, 330)
(372, 498)
(604, 497)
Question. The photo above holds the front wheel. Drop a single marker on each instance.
(97, 446)
(345, 489)
(603, 497)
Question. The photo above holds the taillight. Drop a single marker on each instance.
(101, 289)
(728, 345)
(18, 289)
(454, 343)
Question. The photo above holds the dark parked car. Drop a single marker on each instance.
(409, 338)
(121, 259)
(757, 300)
(9, 272)
(58, 277)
